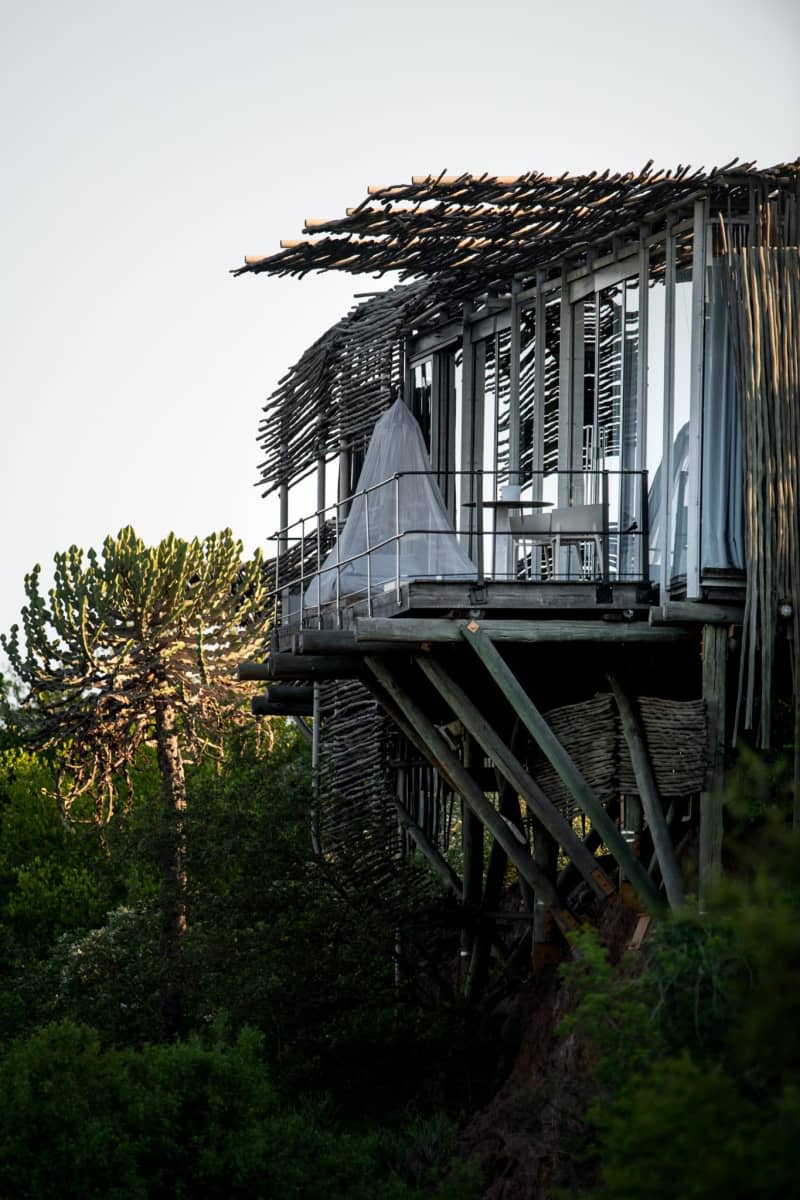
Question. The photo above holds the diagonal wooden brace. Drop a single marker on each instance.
(513, 770)
(561, 762)
(459, 779)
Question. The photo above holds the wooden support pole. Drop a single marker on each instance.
(439, 865)
(460, 780)
(715, 652)
(517, 776)
(472, 838)
(646, 782)
(262, 706)
(561, 762)
(416, 630)
(338, 641)
(295, 666)
(568, 875)
(547, 946)
(694, 612)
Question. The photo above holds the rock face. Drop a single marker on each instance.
(531, 1137)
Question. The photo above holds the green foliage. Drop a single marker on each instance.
(688, 1129)
(697, 1045)
(52, 879)
(123, 632)
(182, 1120)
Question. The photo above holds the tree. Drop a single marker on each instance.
(136, 645)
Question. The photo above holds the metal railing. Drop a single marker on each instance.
(614, 545)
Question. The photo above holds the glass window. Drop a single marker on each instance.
(682, 383)
(421, 397)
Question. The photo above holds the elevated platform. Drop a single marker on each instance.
(492, 599)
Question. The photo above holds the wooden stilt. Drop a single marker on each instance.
(472, 852)
(645, 779)
(460, 780)
(715, 651)
(493, 887)
(547, 946)
(562, 763)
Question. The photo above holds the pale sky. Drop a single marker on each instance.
(146, 147)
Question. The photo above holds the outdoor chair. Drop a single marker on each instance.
(578, 526)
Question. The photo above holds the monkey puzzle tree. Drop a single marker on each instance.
(137, 645)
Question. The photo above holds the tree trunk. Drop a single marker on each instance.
(171, 861)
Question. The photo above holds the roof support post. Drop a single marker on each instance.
(453, 771)
(561, 761)
(513, 399)
(694, 482)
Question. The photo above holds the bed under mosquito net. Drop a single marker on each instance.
(398, 527)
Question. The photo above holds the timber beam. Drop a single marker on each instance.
(561, 761)
(338, 641)
(715, 654)
(459, 779)
(418, 630)
(283, 665)
(694, 612)
(512, 770)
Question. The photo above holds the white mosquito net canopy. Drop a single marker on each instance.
(398, 526)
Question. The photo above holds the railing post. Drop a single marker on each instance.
(397, 537)
(479, 523)
(604, 540)
(369, 556)
(645, 538)
(338, 569)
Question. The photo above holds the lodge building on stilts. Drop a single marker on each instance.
(538, 563)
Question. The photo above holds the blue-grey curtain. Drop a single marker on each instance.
(722, 539)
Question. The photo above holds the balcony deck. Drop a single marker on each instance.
(509, 599)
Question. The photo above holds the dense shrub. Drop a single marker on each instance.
(182, 1121)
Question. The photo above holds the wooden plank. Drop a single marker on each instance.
(561, 762)
(715, 652)
(556, 595)
(512, 769)
(441, 629)
(459, 779)
(648, 792)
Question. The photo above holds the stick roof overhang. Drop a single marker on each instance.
(473, 228)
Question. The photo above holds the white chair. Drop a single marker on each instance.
(529, 531)
(577, 526)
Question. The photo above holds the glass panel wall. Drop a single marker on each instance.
(681, 395)
(552, 367)
(606, 384)
(654, 400)
(421, 397)
(527, 400)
